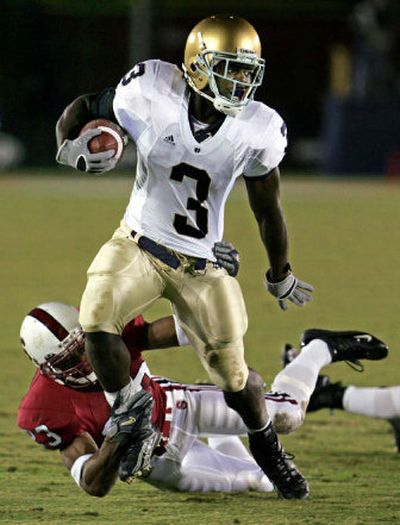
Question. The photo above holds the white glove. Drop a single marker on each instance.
(289, 289)
(75, 153)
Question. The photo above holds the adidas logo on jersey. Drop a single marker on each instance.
(170, 140)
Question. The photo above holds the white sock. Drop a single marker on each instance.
(377, 402)
(299, 377)
(126, 391)
(231, 446)
(204, 469)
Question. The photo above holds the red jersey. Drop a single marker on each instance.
(54, 414)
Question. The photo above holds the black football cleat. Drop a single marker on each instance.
(277, 465)
(348, 346)
(288, 353)
(395, 422)
(326, 395)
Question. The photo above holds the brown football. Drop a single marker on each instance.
(112, 137)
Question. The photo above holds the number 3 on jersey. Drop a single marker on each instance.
(202, 187)
(137, 71)
(42, 435)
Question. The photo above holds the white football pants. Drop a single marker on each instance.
(200, 411)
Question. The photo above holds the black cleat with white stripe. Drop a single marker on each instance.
(348, 346)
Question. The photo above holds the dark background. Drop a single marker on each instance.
(52, 51)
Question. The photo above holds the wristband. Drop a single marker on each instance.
(77, 468)
(286, 269)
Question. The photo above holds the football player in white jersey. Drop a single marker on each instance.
(196, 132)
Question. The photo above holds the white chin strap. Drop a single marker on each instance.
(88, 380)
(218, 102)
(221, 106)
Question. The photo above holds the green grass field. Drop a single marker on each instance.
(345, 238)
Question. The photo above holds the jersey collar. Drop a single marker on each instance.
(210, 143)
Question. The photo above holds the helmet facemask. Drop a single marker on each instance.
(239, 92)
(70, 366)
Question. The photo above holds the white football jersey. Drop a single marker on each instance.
(181, 185)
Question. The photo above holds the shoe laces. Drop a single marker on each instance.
(282, 464)
(356, 365)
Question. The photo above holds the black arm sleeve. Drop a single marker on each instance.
(101, 105)
(83, 109)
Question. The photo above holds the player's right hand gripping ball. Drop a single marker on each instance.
(289, 289)
(98, 148)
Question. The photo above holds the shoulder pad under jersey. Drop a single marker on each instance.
(144, 83)
(266, 135)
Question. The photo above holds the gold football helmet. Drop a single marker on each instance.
(216, 49)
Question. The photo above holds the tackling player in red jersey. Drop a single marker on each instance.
(65, 408)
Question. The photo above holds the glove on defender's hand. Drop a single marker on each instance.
(127, 423)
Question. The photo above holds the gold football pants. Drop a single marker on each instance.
(124, 280)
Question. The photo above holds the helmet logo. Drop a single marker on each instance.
(246, 52)
(201, 39)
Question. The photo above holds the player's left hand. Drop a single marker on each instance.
(289, 289)
(227, 256)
